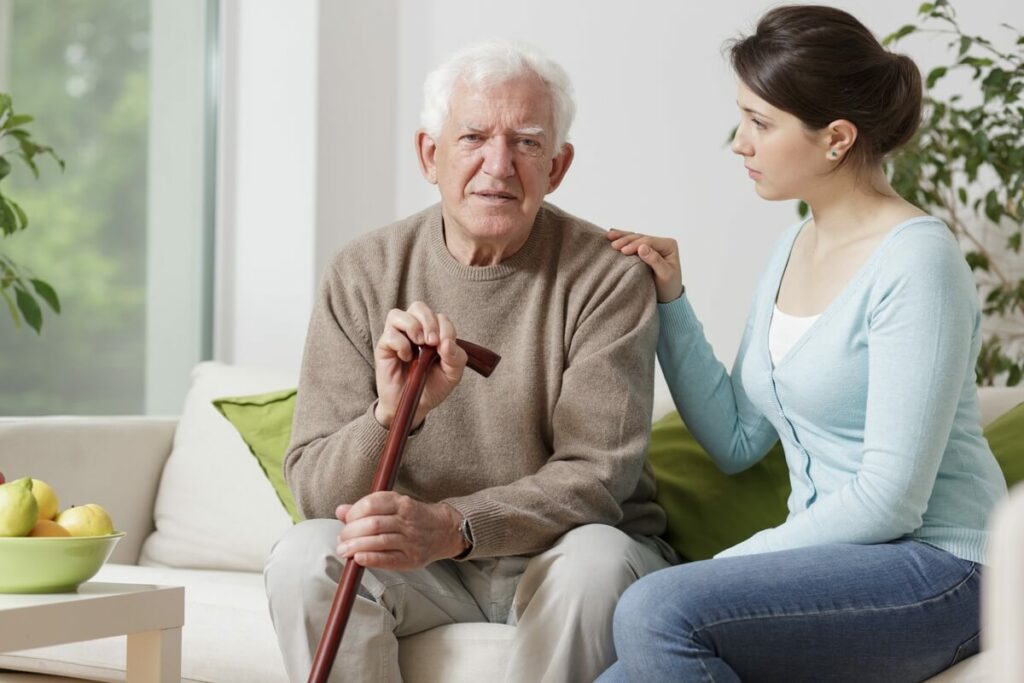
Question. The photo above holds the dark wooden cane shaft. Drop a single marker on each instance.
(480, 360)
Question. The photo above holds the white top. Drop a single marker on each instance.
(784, 331)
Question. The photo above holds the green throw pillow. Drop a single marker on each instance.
(265, 423)
(1006, 439)
(709, 510)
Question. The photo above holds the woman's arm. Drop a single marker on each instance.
(714, 405)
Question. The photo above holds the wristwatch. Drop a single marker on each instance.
(467, 535)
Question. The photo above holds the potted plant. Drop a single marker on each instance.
(16, 141)
(966, 166)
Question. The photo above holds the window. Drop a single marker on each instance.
(93, 74)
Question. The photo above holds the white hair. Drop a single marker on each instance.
(492, 63)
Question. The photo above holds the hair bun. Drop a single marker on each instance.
(906, 95)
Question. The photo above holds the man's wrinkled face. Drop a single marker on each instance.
(495, 160)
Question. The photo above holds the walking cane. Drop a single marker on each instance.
(481, 361)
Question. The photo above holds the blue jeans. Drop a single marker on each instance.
(900, 611)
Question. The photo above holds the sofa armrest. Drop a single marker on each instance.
(994, 401)
(1003, 589)
(113, 461)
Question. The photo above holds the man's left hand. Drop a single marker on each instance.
(387, 530)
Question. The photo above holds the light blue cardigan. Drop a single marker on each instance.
(875, 404)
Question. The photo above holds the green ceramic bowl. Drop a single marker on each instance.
(52, 564)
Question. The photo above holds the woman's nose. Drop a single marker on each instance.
(739, 144)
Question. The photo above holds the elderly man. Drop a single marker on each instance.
(523, 498)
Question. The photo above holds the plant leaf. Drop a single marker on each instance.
(44, 290)
(29, 309)
(904, 30)
(8, 221)
(977, 261)
(13, 307)
(19, 213)
(18, 120)
(934, 75)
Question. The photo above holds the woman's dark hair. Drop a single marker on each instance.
(821, 64)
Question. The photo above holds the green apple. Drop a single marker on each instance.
(86, 520)
(46, 498)
(18, 507)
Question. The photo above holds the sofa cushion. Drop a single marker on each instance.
(214, 509)
(709, 511)
(1006, 438)
(264, 422)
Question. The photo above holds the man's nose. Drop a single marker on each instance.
(498, 158)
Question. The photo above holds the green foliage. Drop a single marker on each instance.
(966, 165)
(86, 65)
(16, 141)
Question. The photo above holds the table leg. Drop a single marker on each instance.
(154, 656)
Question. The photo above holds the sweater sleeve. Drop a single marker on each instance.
(919, 352)
(335, 437)
(601, 426)
(713, 404)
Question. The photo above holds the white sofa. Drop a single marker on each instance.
(198, 512)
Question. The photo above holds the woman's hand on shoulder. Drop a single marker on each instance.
(661, 254)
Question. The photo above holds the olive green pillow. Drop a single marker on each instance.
(1006, 439)
(264, 422)
(708, 510)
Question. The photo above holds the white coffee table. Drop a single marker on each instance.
(151, 617)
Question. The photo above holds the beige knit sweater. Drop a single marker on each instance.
(554, 439)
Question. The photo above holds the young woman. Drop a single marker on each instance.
(859, 355)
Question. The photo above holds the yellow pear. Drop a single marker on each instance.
(18, 507)
(48, 527)
(46, 499)
(86, 520)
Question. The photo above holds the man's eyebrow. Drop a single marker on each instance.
(525, 130)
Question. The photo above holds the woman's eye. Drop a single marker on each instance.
(470, 137)
(758, 124)
(532, 144)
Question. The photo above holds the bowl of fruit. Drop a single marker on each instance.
(45, 550)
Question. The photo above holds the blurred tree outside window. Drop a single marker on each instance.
(82, 69)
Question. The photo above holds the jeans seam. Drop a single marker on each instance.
(956, 655)
(938, 596)
(707, 674)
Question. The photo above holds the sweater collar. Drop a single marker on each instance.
(519, 261)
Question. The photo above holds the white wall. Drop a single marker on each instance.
(267, 191)
(655, 100)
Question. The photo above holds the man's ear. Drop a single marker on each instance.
(559, 165)
(426, 148)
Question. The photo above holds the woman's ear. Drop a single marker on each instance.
(838, 139)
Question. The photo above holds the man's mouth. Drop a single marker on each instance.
(495, 195)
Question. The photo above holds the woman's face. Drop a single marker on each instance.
(784, 159)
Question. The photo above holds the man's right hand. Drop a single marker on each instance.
(394, 354)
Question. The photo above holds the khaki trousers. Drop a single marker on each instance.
(560, 601)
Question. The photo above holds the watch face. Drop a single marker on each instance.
(467, 531)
